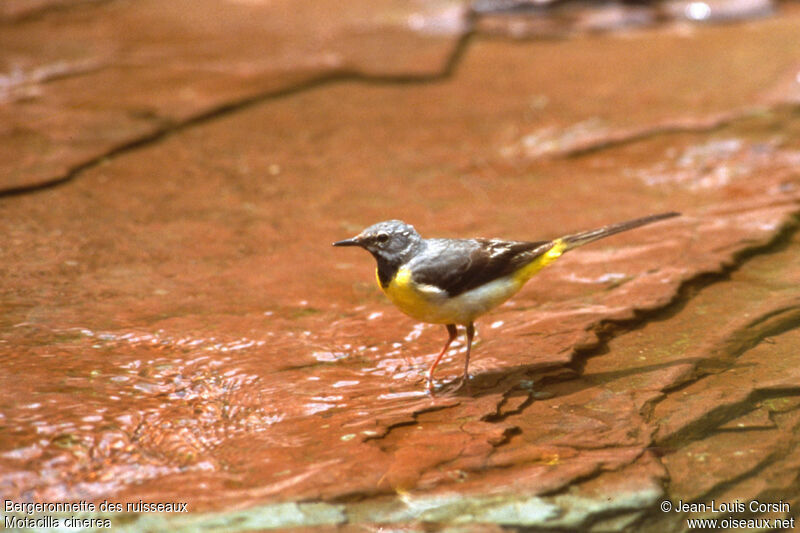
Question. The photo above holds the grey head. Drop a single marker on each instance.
(391, 242)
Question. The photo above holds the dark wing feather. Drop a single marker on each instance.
(457, 266)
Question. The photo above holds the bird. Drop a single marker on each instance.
(454, 281)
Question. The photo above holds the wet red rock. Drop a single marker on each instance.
(176, 326)
(110, 76)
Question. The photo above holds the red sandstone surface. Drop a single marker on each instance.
(176, 327)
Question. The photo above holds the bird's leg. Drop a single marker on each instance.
(470, 335)
(451, 330)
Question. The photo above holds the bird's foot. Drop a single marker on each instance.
(430, 384)
(464, 382)
(449, 386)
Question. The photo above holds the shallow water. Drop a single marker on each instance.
(176, 326)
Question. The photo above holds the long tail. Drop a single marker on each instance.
(550, 251)
(585, 237)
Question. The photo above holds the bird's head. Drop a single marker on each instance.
(390, 241)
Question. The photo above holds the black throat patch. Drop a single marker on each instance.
(386, 270)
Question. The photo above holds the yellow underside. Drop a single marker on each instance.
(428, 304)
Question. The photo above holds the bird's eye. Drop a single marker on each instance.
(382, 237)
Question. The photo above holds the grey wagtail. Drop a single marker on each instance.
(454, 281)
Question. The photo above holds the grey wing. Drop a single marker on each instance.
(457, 266)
